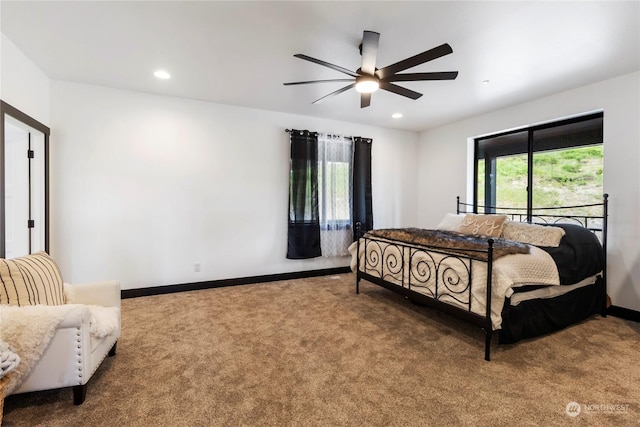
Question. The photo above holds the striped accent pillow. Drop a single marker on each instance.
(31, 280)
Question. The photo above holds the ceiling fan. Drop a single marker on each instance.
(368, 78)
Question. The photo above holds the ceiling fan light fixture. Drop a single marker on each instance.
(369, 78)
(367, 84)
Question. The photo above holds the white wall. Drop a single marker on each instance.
(443, 167)
(22, 84)
(144, 186)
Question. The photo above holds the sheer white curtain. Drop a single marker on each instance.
(335, 169)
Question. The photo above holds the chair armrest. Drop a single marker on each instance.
(106, 294)
(75, 318)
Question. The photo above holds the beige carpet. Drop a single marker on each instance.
(312, 352)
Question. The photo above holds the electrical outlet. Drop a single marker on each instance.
(196, 267)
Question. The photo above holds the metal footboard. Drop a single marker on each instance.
(427, 274)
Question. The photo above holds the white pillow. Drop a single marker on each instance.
(450, 222)
(533, 234)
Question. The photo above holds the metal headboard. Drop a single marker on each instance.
(547, 215)
(555, 215)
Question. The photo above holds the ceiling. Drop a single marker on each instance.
(240, 53)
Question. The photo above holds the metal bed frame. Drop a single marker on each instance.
(427, 264)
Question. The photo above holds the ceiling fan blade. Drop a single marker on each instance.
(369, 52)
(416, 60)
(317, 81)
(414, 77)
(399, 90)
(334, 93)
(326, 64)
(365, 100)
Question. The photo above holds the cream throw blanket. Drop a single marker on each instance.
(30, 329)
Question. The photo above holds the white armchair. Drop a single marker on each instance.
(76, 350)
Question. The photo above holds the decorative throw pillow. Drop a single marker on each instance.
(450, 222)
(31, 280)
(533, 234)
(482, 225)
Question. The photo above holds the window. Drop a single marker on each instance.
(335, 177)
(555, 164)
(329, 191)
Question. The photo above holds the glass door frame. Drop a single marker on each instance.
(14, 113)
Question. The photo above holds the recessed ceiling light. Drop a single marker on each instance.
(486, 82)
(162, 74)
(396, 115)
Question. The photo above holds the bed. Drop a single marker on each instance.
(518, 273)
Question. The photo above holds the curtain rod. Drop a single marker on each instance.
(330, 134)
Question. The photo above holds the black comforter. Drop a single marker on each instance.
(579, 255)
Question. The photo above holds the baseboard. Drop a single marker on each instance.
(167, 289)
(624, 313)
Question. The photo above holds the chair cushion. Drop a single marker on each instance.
(31, 280)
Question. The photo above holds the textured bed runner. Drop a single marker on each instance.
(474, 247)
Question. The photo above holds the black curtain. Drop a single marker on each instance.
(362, 201)
(304, 222)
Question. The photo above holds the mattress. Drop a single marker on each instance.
(548, 291)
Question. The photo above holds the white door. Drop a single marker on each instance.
(37, 191)
(24, 189)
(16, 189)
